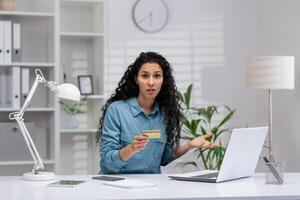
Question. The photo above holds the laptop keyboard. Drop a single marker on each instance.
(210, 175)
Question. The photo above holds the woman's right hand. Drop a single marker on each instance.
(139, 142)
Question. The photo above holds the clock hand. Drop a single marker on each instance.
(151, 18)
(143, 19)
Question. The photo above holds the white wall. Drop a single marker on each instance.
(193, 40)
(246, 27)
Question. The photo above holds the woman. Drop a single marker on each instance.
(145, 99)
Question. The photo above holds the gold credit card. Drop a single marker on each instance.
(152, 134)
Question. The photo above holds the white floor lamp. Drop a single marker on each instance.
(271, 73)
(65, 91)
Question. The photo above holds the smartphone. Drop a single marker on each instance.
(108, 178)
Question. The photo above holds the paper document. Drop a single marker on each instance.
(130, 184)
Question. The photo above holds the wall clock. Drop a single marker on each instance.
(150, 15)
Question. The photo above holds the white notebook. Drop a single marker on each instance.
(130, 184)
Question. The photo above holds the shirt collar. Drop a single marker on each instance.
(136, 109)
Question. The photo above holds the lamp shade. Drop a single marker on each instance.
(271, 72)
(68, 91)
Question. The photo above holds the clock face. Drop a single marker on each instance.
(150, 15)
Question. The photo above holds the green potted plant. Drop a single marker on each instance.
(200, 121)
(72, 109)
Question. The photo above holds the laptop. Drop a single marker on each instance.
(240, 159)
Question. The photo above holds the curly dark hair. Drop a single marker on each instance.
(166, 99)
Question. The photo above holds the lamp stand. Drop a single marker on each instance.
(40, 176)
(271, 158)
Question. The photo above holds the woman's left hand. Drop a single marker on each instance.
(201, 142)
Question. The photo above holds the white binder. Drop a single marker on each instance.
(1, 42)
(7, 42)
(25, 84)
(8, 86)
(16, 45)
(15, 83)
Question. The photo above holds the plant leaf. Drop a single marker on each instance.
(187, 96)
(180, 96)
(194, 125)
(226, 119)
(183, 164)
(220, 132)
(203, 131)
(185, 122)
(187, 138)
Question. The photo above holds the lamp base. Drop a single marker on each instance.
(41, 176)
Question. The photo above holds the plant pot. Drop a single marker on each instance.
(72, 122)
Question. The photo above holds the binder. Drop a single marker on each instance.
(16, 43)
(25, 84)
(1, 42)
(15, 83)
(8, 87)
(7, 42)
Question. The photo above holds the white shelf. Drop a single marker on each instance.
(70, 33)
(24, 14)
(92, 97)
(82, 18)
(78, 130)
(81, 40)
(38, 109)
(2, 163)
(81, 34)
(28, 64)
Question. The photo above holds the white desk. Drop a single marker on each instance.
(12, 188)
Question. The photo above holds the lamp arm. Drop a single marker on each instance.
(39, 79)
(18, 116)
(38, 162)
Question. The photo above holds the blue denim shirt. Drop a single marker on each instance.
(123, 120)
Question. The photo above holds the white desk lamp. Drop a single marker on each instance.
(65, 91)
(271, 72)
